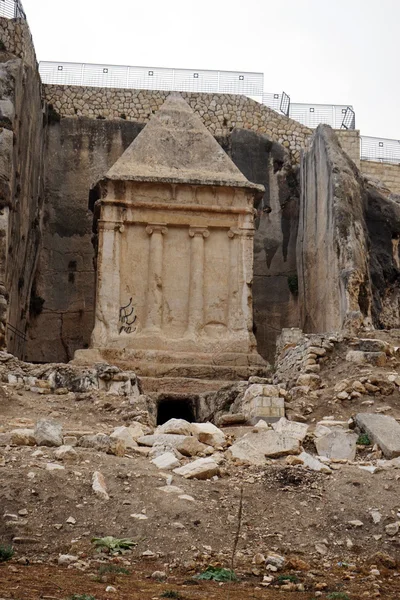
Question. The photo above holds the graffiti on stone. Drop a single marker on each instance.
(127, 318)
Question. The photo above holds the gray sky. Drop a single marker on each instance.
(318, 51)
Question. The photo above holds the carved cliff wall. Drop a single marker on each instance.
(79, 152)
(22, 135)
(332, 243)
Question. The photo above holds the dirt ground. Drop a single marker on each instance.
(302, 515)
(51, 583)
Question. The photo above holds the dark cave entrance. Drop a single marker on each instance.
(173, 407)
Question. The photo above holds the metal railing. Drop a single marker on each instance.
(338, 116)
(152, 78)
(380, 149)
(311, 115)
(12, 9)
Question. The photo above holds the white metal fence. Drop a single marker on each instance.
(380, 149)
(12, 9)
(152, 78)
(312, 115)
(221, 82)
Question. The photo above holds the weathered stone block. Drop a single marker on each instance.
(383, 431)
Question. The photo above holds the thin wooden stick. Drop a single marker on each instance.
(236, 540)
(239, 525)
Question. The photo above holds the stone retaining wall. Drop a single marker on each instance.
(299, 353)
(385, 172)
(16, 38)
(219, 112)
(350, 141)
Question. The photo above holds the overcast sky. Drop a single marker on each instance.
(318, 51)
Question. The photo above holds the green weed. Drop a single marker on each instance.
(6, 553)
(217, 574)
(113, 544)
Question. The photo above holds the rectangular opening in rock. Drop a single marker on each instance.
(175, 407)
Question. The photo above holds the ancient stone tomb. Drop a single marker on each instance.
(174, 224)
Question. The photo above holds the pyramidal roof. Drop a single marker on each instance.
(176, 147)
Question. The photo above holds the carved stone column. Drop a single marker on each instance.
(196, 290)
(154, 286)
(108, 283)
(234, 306)
(247, 244)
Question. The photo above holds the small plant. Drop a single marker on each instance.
(363, 440)
(217, 574)
(289, 578)
(113, 544)
(6, 553)
(337, 596)
(104, 569)
(81, 597)
(109, 573)
(171, 594)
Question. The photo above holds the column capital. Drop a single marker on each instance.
(202, 231)
(232, 232)
(156, 228)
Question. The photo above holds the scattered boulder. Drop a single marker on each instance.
(392, 529)
(23, 437)
(207, 433)
(67, 559)
(136, 430)
(337, 445)
(310, 380)
(124, 434)
(191, 446)
(166, 461)
(313, 463)
(202, 468)
(66, 454)
(291, 428)
(377, 359)
(48, 433)
(99, 485)
(103, 443)
(253, 448)
(232, 419)
(382, 430)
(167, 439)
(98, 441)
(175, 426)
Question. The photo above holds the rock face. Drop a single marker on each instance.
(332, 243)
(22, 140)
(383, 223)
(84, 149)
(275, 282)
(382, 430)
